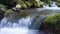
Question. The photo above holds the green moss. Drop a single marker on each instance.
(53, 18)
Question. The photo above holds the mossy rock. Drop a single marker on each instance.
(15, 16)
(51, 23)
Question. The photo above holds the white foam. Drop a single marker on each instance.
(13, 31)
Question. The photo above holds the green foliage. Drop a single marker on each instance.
(29, 3)
(23, 3)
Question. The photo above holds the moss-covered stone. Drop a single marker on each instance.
(15, 16)
(51, 23)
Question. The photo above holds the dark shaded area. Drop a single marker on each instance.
(9, 3)
(1, 14)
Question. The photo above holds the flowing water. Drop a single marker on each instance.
(27, 25)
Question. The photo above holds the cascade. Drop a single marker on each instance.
(21, 26)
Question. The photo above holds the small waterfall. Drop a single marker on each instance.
(19, 27)
(37, 21)
(22, 25)
(23, 22)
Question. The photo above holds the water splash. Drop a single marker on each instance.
(53, 4)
